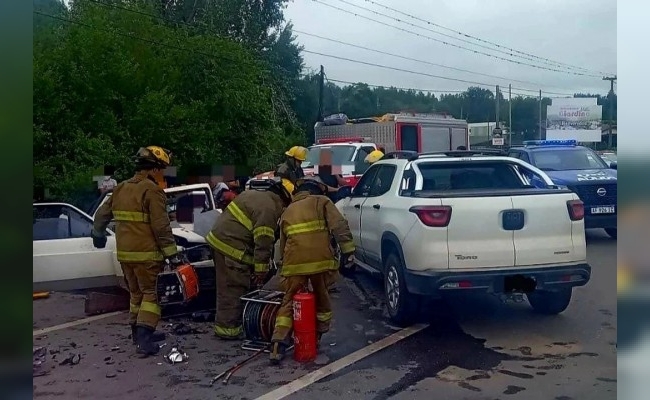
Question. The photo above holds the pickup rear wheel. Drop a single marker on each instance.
(612, 232)
(550, 302)
(402, 306)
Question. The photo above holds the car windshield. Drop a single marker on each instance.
(567, 159)
(340, 155)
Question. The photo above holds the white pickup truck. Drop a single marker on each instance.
(462, 220)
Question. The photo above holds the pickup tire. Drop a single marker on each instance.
(402, 306)
(549, 302)
(612, 232)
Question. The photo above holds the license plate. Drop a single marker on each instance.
(603, 210)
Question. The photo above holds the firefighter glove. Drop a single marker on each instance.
(176, 260)
(348, 260)
(99, 240)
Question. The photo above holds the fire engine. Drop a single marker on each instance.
(350, 141)
(401, 131)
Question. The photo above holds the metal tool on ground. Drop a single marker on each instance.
(230, 371)
(260, 310)
(40, 295)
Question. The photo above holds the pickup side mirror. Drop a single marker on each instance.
(613, 165)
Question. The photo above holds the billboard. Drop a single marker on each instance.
(579, 119)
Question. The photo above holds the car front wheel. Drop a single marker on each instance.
(402, 306)
(550, 302)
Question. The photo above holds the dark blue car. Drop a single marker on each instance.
(580, 169)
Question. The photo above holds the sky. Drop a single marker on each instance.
(580, 34)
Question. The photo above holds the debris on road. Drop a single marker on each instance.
(71, 359)
(176, 355)
(38, 359)
(184, 329)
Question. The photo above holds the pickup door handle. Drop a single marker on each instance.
(357, 206)
(376, 206)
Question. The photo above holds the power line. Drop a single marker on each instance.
(453, 44)
(479, 39)
(508, 53)
(340, 42)
(421, 61)
(156, 43)
(406, 70)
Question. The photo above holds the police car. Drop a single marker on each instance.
(581, 170)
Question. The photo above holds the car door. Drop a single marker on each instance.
(371, 214)
(64, 257)
(351, 207)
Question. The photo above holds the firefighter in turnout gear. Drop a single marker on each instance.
(144, 240)
(307, 256)
(242, 241)
(291, 169)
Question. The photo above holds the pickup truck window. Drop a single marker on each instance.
(485, 175)
(567, 159)
(383, 180)
(362, 189)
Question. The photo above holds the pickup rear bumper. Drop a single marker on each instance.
(435, 283)
(600, 221)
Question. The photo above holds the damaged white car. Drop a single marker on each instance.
(63, 254)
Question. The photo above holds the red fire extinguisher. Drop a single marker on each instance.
(304, 326)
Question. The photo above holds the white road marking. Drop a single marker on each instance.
(70, 324)
(313, 377)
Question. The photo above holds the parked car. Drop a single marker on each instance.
(581, 170)
(461, 221)
(63, 254)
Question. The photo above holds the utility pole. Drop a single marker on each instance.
(509, 115)
(321, 84)
(540, 115)
(610, 96)
(321, 91)
(497, 105)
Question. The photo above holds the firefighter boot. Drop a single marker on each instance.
(144, 345)
(278, 350)
(318, 337)
(155, 337)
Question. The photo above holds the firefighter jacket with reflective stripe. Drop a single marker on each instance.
(245, 231)
(305, 230)
(143, 232)
(285, 171)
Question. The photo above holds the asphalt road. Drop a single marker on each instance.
(472, 348)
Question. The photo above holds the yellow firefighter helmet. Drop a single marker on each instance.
(374, 156)
(297, 152)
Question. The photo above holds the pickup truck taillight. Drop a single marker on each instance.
(436, 216)
(576, 209)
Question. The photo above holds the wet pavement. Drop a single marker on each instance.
(474, 348)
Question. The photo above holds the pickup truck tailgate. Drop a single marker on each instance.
(546, 236)
(476, 238)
